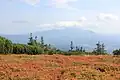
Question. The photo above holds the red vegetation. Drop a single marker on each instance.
(59, 67)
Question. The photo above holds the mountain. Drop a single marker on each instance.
(61, 38)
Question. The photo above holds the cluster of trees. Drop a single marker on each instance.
(5, 45)
(77, 48)
(116, 52)
(99, 50)
(39, 47)
(32, 47)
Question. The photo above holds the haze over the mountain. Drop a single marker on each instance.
(61, 38)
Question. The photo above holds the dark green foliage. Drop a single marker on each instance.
(31, 40)
(116, 52)
(71, 46)
(77, 49)
(1, 46)
(18, 48)
(84, 50)
(42, 42)
(5, 45)
(28, 49)
(33, 47)
(100, 50)
(103, 48)
(81, 49)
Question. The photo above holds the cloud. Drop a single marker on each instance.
(68, 23)
(105, 24)
(64, 24)
(52, 3)
(82, 19)
(72, 23)
(20, 21)
(32, 2)
(106, 17)
(60, 25)
(62, 4)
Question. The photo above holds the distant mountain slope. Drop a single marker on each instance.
(61, 38)
(17, 38)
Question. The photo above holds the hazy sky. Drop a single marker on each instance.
(23, 16)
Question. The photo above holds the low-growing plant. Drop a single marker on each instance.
(73, 74)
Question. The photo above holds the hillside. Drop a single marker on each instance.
(59, 67)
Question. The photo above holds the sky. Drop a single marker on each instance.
(25, 16)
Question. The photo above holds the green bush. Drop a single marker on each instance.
(5, 45)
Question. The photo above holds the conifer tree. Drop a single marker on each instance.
(84, 50)
(81, 49)
(42, 41)
(35, 41)
(71, 46)
(77, 49)
(103, 48)
(31, 41)
(98, 49)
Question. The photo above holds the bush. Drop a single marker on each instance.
(116, 52)
(5, 45)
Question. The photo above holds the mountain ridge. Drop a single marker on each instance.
(61, 38)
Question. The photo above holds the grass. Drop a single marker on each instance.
(52, 65)
(80, 63)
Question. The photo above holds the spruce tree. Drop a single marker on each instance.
(103, 48)
(81, 49)
(35, 41)
(42, 41)
(84, 50)
(77, 49)
(98, 49)
(31, 41)
(71, 46)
